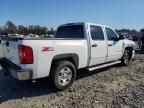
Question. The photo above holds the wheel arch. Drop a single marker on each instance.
(130, 49)
(74, 58)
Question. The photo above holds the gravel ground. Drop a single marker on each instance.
(116, 87)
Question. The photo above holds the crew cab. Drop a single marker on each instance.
(74, 46)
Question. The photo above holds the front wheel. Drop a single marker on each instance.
(63, 75)
(126, 58)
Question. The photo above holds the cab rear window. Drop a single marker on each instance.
(72, 31)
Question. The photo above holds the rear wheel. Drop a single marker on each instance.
(63, 75)
(126, 57)
(142, 48)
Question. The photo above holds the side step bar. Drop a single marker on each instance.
(103, 65)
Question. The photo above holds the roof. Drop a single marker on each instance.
(79, 23)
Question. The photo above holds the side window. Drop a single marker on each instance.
(96, 33)
(111, 35)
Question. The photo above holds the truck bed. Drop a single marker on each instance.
(41, 56)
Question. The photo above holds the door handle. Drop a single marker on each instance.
(94, 45)
(110, 44)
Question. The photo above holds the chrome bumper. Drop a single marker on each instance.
(14, 70)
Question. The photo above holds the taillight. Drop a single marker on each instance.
(25, 54)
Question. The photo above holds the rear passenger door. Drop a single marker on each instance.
(98, 45)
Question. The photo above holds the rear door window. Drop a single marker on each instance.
(96, 32)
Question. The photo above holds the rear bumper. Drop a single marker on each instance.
(14, 70)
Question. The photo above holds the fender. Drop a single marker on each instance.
(128, 44)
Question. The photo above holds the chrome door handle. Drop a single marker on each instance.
(94, 45)
(110, 44)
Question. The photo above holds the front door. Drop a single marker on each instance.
(98, 45)
(115, 45)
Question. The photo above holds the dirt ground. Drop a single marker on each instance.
(113, 87)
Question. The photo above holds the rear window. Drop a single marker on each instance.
(73, 31)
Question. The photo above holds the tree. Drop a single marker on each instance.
(142, 30)
(37, 30)
(22, 30)
(52, 31)
(44, 30)
(0, 30)
(10, 27)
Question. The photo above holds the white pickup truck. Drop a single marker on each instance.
(75, 46)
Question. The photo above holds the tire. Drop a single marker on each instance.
(142, 48)
(63, 74)
(126, 58)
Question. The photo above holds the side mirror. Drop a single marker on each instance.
(116, 39)
(121, 37)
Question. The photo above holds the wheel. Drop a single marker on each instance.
(63, 75)
(142, 48)
(126, 57)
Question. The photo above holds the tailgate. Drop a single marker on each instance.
(10, 49)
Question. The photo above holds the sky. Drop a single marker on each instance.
(118, 14)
